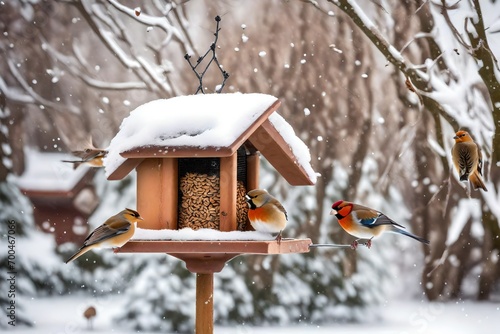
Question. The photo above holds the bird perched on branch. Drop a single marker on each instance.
(266, 214)
(365, 223)
(114, 233)
(91, 155)
(468, 160)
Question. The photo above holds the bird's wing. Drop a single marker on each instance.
(384, 220)
(479, 160)
(279, 206)
(372, 218)
(367, 218)
(107, 230)
(89, 153)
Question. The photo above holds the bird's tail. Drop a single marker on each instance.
(476, 181)
(79, 253)
(408, 234)
(75, 163)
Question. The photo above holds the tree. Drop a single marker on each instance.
(444, 69)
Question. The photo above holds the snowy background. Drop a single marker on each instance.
(376, 90)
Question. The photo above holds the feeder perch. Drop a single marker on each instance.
(196, 157)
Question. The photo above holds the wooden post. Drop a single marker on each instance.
(253, 166)
(204, 303)
(228, 186)
(157, 193)
(169, 182)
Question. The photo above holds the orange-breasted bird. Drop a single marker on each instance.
(365, 223)
(468, 160)
(114, 233)
(266, 214)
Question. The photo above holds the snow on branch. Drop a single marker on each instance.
(479, 48)
(38, 99)
(117, 38)
(15, 94)
(78, 65)
(152, 21)
(416, 77)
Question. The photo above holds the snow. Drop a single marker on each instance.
(64, 315)
(465, 210)
(396, 54)
(200, 234)
(299, 149)
(205, 120)
(14, 93)
(366, 20)
(45, 245)
(46, 172)
(120, 53)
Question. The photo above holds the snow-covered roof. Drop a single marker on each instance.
(209, 125)
(45, 172)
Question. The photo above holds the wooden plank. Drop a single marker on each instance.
(279, 154)
(148, 192)
(157, 193)
(228, 187)
(256, 124)
(169, 192)
(124, 169)
(208, 247)
(153, 151)
(253, 169)
(204, 303)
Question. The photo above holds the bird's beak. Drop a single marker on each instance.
(247, 198)
(140, 218)
(456, 137)
(333, 212)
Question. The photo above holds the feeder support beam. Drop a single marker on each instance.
(204, 303)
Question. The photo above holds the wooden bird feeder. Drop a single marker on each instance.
(196, 174)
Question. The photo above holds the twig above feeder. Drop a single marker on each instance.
(201, 74)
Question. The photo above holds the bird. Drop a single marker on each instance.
(265, 213)
(89, 314)
(468, 159)
(114, 233)
(365, 223)
(90, 155)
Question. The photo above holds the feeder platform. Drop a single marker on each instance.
(210, 256)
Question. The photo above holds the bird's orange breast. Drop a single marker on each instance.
(259, 214)
(267, 219)
(346, 224)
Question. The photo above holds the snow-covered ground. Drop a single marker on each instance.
(64, 315)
